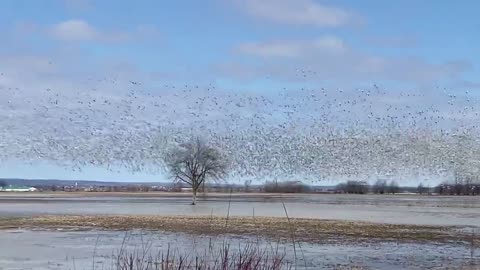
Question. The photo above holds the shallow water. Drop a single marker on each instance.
(20, 249)
(399, 209)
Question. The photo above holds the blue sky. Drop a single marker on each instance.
(254, 45)
(196, 39)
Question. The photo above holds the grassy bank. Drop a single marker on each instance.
(309, 230)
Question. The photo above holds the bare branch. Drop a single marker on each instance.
(195, 162)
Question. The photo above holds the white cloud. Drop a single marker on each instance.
(330, 58)
(329, 43)
(299, 12)
(79, 30)
(270, 49)
(291, 48)
(74, 30)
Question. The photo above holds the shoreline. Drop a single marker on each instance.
(405, 209)
(283, 229)
(61, 194)
(211, 193)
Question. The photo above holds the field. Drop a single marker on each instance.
(398, 209)
(328, 231)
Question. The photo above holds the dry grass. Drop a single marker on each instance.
(308, 230)
(249, 257)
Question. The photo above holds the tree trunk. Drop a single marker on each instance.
(194, 197)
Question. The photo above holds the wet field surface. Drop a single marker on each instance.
(398, 209)
(61, 249)
(21, 249)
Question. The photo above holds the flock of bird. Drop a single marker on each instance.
(310, 132)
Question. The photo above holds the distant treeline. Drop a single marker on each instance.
(362, 187)
(392, 187)
(349, 187)
(100, 188)
(286, 187)
(458, 189)
(268, 187)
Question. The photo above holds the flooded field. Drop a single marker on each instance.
(84, 247)
(398, 209)
(43, 250)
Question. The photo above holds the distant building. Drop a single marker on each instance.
(17, 189)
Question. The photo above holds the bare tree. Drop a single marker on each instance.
(195, 162)
(393, 187)
(353, 187)
(421, 189)
(380, 187)
(247, 185)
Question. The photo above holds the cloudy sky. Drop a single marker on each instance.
(235, 42)
(257, 45)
